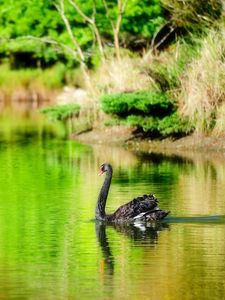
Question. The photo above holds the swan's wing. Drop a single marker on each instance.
(140, 205)
(152, 215)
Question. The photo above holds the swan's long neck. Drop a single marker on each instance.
(102, 197)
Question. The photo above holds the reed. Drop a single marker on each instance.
(202, 96)
(123, 75)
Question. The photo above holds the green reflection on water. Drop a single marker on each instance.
(50, 248)
(25, 125)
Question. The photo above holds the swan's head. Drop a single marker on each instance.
(105, 168)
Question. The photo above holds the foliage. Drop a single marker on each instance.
(181, 71)
(52, 77)
(16, 22)
(171, 125)
(140, 19)
(61, 112)
(175, 125)
(140, 22)
(147, 124)
(137, 103)
(151, 112)
(193, 14)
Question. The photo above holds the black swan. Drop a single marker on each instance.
(142, 208)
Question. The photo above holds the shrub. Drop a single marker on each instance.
(138, 103)
(172, 125)
(147, 124)
(61, 112)
(152, 113)
(175, 125)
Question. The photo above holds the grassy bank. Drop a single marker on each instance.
(186, 81)
(160, 94)
(171, 88)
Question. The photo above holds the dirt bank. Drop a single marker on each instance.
(118, 135)
(115, 135)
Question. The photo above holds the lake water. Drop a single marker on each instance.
(50, 247)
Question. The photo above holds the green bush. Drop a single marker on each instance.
(138, 103)
(152, 113)
(172, 125)
(147, 124)
(61, 112)
(175, 125)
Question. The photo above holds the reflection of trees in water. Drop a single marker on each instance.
(139, 233)
(203, 187)
(119, 157)
(197, 179)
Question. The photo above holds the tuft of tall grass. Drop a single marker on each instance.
(167, 67)
(193, 14)
(202, 96)
(123, 75)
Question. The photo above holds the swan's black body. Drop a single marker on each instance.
(142, 208)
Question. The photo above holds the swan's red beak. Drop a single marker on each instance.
(101, 172)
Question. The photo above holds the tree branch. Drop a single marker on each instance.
(92, 23)
(61, 10)
(47, 40)
(121, 9)
(80, 12)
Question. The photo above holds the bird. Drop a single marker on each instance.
(143, 208)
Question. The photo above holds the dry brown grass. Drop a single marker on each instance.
(202, 95)
(121, 76)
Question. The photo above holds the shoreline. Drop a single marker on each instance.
(123, 136)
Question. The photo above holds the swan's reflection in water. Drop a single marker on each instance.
(140, 234)
(108, 263)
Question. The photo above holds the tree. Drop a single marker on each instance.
(74, 30)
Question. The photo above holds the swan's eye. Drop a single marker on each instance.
(102, 170)
(102, 167)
